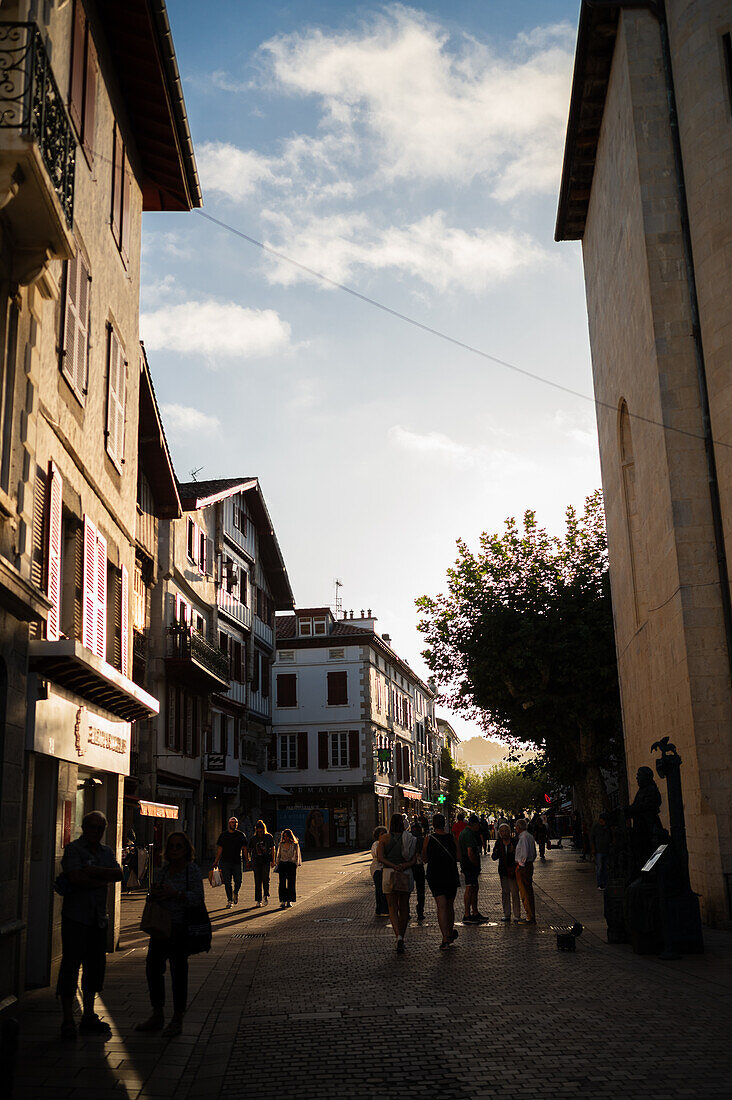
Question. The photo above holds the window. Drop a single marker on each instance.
(53, 557)
(255, 671)
(240, 518)
(116, 391)
(265, 675)
(288, 750)
(202, 556)
(75, 343)
(337, 689)
(191, 543)
(378, 693)
(235, 665)
(181, 727)
(138, 599)
(339, 750)
(305, 627)
(319, 626)
(286, 655)
(200, 625)
(182, 611)
(287, 689)
(120, 215)
(83, 88)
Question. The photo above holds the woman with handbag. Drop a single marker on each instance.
(176, 894)
(397, 852)
(443, 877)
(288, 861)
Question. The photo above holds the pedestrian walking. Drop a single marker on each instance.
(439, 852)
(485, 833)
(289, 858)
(504, 851)
(88, 867)
(377, 874)
(418, 870)
(600, 841)
(469, 847)
(178, 888)
(525, 856)
(231, 847)
(541, 836)
(458, 825)
(262, 857)
(397, 853)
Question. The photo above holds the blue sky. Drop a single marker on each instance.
(412, 152)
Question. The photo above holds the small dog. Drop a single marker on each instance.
(567, 937)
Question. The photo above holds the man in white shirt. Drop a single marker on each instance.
(525, 856)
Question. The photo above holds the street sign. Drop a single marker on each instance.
(215, 762)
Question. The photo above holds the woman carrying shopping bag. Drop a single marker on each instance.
(397, 852)
(176, 918)
(289, 859)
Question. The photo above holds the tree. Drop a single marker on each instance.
(504, 787)
(456, 780)
(522, 641)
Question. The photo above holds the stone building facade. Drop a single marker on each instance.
(647, 188)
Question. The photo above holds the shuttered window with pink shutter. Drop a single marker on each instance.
(75, 348)
(124, 624)
(54, 553)
(116, 394)
(94, 615)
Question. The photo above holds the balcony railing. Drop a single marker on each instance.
(187, 645)
(32, 105)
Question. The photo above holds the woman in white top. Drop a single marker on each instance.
(377, 874)
(288, 861)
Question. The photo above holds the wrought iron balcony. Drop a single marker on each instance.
(37, 143)
(191, 656)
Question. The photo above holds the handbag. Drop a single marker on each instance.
(198, 927)
(156, 920)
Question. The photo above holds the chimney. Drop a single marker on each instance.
(368, 613)
(386, 638)
(361, 612)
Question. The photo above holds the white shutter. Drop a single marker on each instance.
(116, 388)
(124, 626)
(101, 646)
(54, 553)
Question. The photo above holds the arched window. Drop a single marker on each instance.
(627, 462)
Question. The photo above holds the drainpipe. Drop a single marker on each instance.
(658, 9)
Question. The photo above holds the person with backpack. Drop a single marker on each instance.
(177, 891)
(397, 854)
(439, 852)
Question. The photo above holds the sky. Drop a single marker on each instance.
(412, 153)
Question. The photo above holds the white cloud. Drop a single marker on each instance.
(442, 256)
(580, 428)
(212, 329)
(181, 420)
(231, 171)
(435, 107)
(487, 461)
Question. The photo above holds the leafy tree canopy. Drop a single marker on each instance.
(522, 642)
(503, 788)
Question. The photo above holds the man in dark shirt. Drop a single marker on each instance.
(230, 847)
(469, 846)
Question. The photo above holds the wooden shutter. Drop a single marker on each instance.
(323, 751)
(76, 89)
(399, 764)
(90, 97)
(302, 750)
(353, 749)
(255, 672)
(117, 384)
(75, 350)
(126, 192)
(190, 716)
(272, 752)
(265, 669)
(209, 557)
(237, 662)
(124, 623)
(170, 718)
(53, 586)
(337, 688)
(287, 690)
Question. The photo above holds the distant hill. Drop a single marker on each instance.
(477, 752)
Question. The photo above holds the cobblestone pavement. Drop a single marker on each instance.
(314, 1002)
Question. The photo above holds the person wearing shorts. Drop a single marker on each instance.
(470, 845)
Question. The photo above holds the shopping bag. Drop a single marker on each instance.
(156, 920)
(215, 877)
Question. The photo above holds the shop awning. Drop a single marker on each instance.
(158, 809)
(265, 784)
(409, 792)
(72, 666)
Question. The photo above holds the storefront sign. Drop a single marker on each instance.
(340, 788)
(381, 790)
(215, 762)
(414, 795)
(68, 728)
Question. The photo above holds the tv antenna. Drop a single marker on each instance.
(195, 472)
(338, 599)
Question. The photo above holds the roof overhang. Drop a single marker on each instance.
(153, 448)
(598, 27)
(192, 502)
(20, 597)
(141, 46)
(72, 666)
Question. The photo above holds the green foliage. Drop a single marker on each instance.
(456, 777)
(503, 788)
(522, 641)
